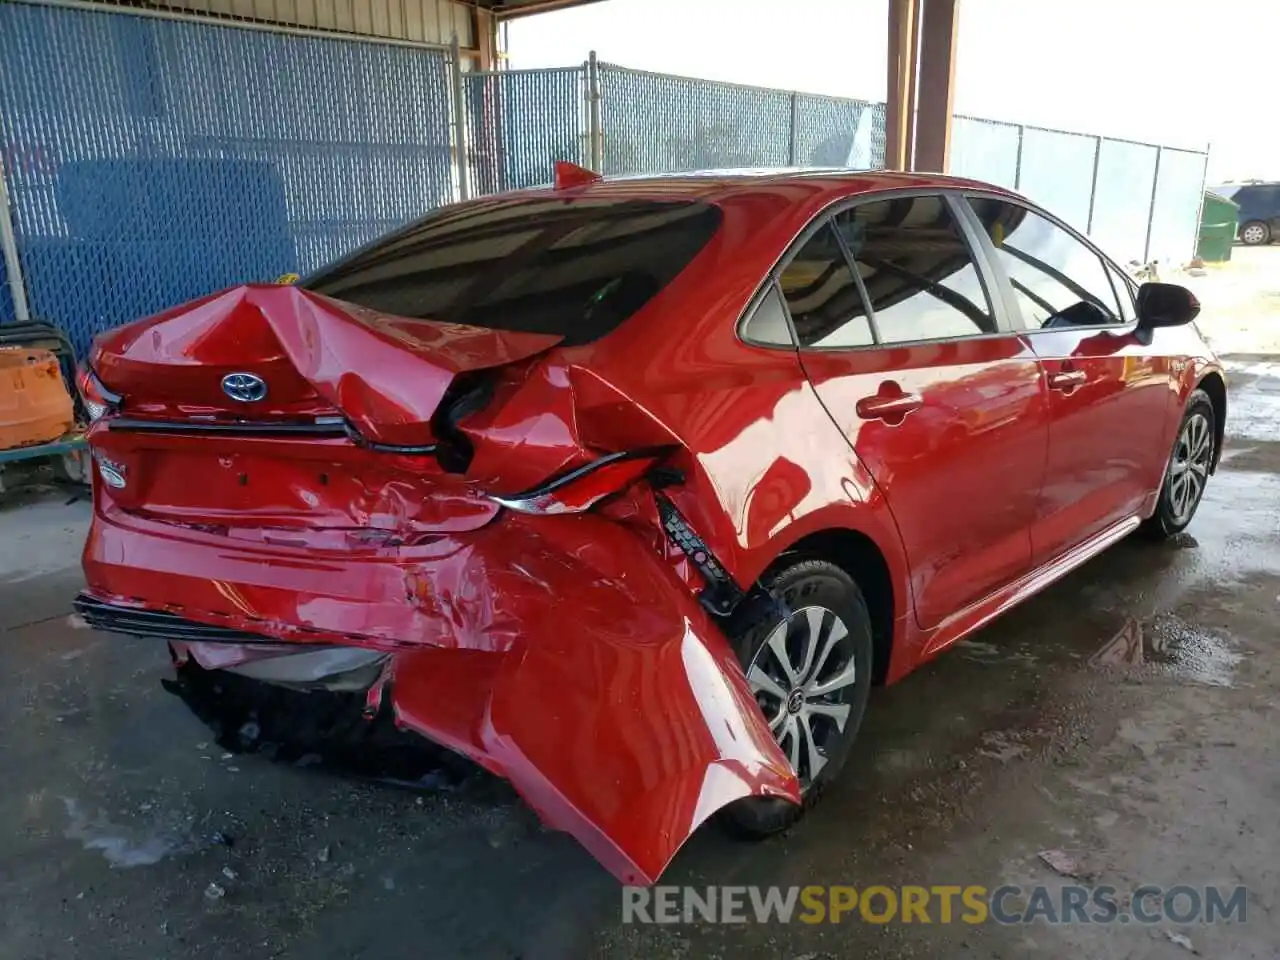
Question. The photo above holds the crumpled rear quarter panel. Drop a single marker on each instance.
(558, 652)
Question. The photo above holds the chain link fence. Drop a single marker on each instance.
(519, 122)
(1138, 201)
(837, 132)
(151, 159)
(653, 122)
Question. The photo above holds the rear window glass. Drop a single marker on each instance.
(575, 268)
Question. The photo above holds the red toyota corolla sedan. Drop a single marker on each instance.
(629, 490)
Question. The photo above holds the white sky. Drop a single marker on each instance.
(1177, 72)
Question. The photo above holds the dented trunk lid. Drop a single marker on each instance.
(398, 386)
(371, 385)
(315, 358)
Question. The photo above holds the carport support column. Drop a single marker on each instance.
(461, 140)
(9, 248)
(595, 132)
(900, 105)
(1151, 207)
(937, 79)
(486, 33)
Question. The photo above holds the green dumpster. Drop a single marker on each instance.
(1217, 228)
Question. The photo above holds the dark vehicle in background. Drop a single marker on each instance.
(1259, 219)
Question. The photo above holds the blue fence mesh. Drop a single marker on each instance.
(6, 295)
(520, 122)
(654, 122)
(151, 160)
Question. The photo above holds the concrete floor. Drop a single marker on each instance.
(121, 813)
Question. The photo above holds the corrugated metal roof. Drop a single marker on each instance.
(419, 21)
(516, 8)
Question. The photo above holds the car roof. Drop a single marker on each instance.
(713, 185)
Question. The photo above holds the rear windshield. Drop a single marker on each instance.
(575, 268)
(1227, 190)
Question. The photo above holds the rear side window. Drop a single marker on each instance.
(768, 322)
(822, 295)
(917, 270)
(1058, 280)
(575, 268)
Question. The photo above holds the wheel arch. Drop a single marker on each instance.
(860, 556)
(1213, 384)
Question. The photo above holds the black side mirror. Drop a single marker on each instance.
(1166, 305)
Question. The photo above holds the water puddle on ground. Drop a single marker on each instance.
(981, 651)
(121, 846)
(1169, 646)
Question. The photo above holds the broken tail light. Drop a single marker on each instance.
(583, 488)
(98, 400)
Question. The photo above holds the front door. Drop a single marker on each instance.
(1107, 397)
(942, 403)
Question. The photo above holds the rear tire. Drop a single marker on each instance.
(809, 664)
(1255, 233)
(1187, 473)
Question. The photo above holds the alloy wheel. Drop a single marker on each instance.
(803, 679)
(1189, 469)
(1253, 233)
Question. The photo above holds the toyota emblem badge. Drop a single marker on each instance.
(244, 387)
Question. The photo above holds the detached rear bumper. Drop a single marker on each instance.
(557, 652)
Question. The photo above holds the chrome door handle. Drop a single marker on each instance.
(888, 408)
(1067, 380)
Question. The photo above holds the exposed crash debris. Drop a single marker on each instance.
(314, 727)
(1063, 863)
(1181, 940)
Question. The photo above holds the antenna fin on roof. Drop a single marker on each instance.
(571, 175)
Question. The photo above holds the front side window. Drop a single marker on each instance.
(1057, 279)
(575, 268)
(822, 295)
(917, 270)
(1124, 290)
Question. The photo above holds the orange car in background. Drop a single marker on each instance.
(35, 406)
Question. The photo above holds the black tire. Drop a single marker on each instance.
(798, 585)
(1169, 518)
(1255, 233)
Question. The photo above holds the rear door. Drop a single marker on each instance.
(1108, 394)
(944, 403)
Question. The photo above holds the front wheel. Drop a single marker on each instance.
(1187, 473)
(808, 664)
